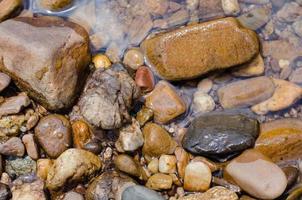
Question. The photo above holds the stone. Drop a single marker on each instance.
(157, 7)
(43, 166)
(101, 61)
(15, 166)
(230, 7)
(246, 93)
(133, 58)
(9, 8)
(198, 177)
(82, 133)
(296, 76)
(71, 166)
(106, 98)
(157, 141)
(144, 115)
(139, 29)
(210, 9)
(23, 190)
(12, 147)
(255, 18)
(61, 58)
(167, 164)
(4, 191)
(159, 182)
(4, 81)
(138, 192)
(73, 196)
(202, 102)
(286, 94)
(212, 165)
(94, 147)
(55, 5)
(253, 68)
(180, 17)
(30, 146)
(144, 79)
(257, 175)
(130, 137)
(290, 12)
(165, 103)
(153, 166)
(215, 193)
(53, 133)
(205, 85)
(280, 139)
(128, 165)
(218, 134)
(183, 159)
(245, 197)
(185, 54)
(297, 26)
(13, 105)
(292, 174)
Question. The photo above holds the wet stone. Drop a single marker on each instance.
(292, 174)
(138, 192)
(218, 134)
(128, 165)
(82, 133)
(144, 115)
(202, 102)
(253, 68)
(255, 18)
(31, 146)
(73, 196)
(296, 76)
(56, 5)
(43, 166)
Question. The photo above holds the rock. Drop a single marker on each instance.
(107, 97)
(72, 166)
(218, 134)
(144, 79)
(101, 61)
(165, 103)
(255, 18)
(53, 133)
(198, 177)
(138, 192)
(9, 8)
(19, 166)
(292, 174)
(203, 102)
(23, 190)
(139, 29)
(109, 185)
(31, 146)
(295, 193)
(286, 94)
(157, 141)
(159, 182)
(215, 193)
(290, 12)
(12, 147)
(253, 68)
(167, 164)
(205, 85)
(245, 197)
(212, 165)
(144, 115)
(56, 5)
(4, 81)
(128, 165)
(257, 175)
(13, 105)
(93, 146)
(246, 93)
(82, 134)
(180, 17)
(73, 196)
(133, 58)
(230, 7)
(61, 59)
(158, 7)
(4, 191)
(296, 76)
(153, 166)
(280, 139)
(183, 159)
(210, 9)
(297, 26)
(11, 126)
(43, 166)
(5, 178)
(172, 56)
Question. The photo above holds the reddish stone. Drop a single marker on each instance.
(144, 78)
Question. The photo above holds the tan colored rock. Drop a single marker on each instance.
(101, 61)
(215, 193)
(31, 146)
(183, 159)
(128, 165)
(14, 104)
(144, 115)
(210, 9)
(153, 166)
(157, 7)
(185, 53)
(8, 8)
(253, 68)
(205, 85)
(43, 166)
(167, 164)
(12, 147)
(159, 182)
(213, 166)
(157, 141)
(202, 102)
(247, 92)
(281, 139)
(198, 177)
(286, 94)
(165, 103)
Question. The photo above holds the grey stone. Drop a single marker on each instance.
(138, 192)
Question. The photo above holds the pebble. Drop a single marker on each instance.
(290, 12)
(167, 164)
(213, 166)
(101, 61)
(245, 197)
(296, 76)
(202, 102)
(12, 147)
(133, 58)
(253, 68)
(4, 80)
(257, 175)
(218, 134)
(82, 133)
(255, 18)
(138, 192)
(6, 179)
(286, 94)
(297, 26)
(159, 182)
(230, 7)
(130, 137)
(31, 146)
(93, 146)
(73, 196)
(128, 165)
(144, 79)
(292, 174)
(157, 141)
(24, 190)
(215, 193)
(53, 133)
(56, 5)
(144, 115)
(4, 191)
(13, 105)
(43, 166)
(9, 7)
(180, 17)
(198, 177)
(210, 9)
(280, 140)
(165, 103)
(15, 166)
(66, 170)
(158, 7)
(246, 93)
(153, 166)
(183, 159)
(295, 193)
(205, 85)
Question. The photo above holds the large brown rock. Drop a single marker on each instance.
(47, 60)
(194, 50)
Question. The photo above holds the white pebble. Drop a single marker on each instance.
(203, 102)
(230, 7)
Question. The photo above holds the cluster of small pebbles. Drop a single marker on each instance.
(151, 100)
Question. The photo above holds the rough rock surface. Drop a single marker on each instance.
(24, 190)
(215, 193)
(47, 60)
(195, 50)
(138, 192)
